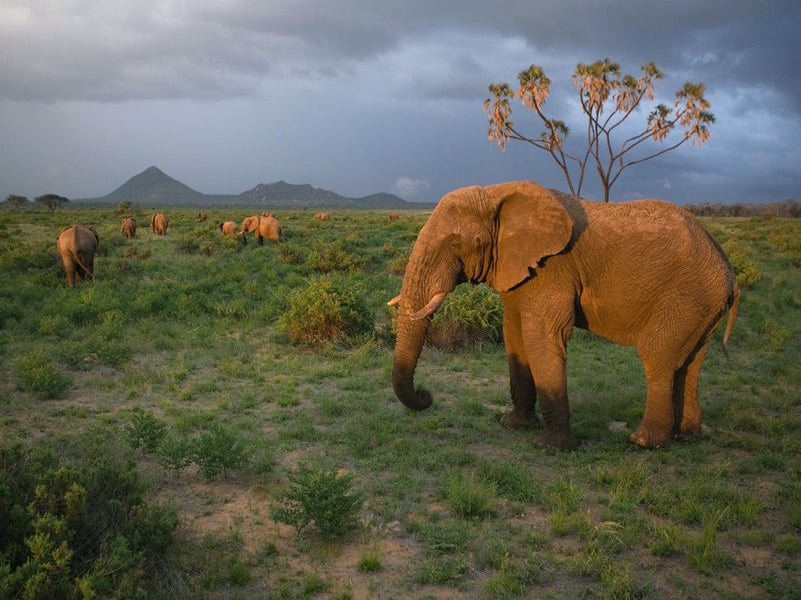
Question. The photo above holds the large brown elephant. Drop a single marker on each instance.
(159, 223)
(262, 226)
(642, 273)
(77, 245)
(129, 227)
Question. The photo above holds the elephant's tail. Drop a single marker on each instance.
(87, 274)
(734, 306)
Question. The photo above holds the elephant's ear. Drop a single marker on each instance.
(532, 225)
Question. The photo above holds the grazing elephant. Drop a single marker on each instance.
(228, 227)
(201, 217)
(321, 216)
(263, 226)
(77, 245)
(129, 227)
(159, 223)
(393, 216)
(643, 273)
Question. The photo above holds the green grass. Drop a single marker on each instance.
(188, 356)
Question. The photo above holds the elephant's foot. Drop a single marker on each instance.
(687, 430)
(650, 437)
(561, 440)
(513, 420)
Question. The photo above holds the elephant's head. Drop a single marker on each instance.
(496, 235)
(249, 224)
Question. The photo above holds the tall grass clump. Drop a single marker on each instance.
(327, 310)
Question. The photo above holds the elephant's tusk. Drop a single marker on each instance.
(394, 302)
(429, 308)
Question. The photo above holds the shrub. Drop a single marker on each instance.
(747, 270)
(218, 451)
(327, 310)
(145, 431)
(332, 257)
(76, 530)
(471, 314)
(321, 498)
(36, 374)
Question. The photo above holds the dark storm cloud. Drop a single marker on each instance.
(365, 96)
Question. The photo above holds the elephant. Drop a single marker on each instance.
(393, 216)
(159, 223)
(321, 216)
(642, 273)
(129, 227)
(263, 226)
(228, 227)
(77, 245)
(201, 217)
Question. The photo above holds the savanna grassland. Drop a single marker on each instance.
(212, 420)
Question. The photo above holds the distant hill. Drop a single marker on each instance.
(152, 187)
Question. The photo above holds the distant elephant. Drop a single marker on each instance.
(393, 216)
(201, 217)
(129, 227)
(643, 273)
(228, 227)
(321, 216)
(266, 225)
(77, 245)
(159, 223)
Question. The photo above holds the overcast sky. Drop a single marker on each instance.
(365, 96)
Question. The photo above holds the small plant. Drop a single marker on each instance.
(469, 497)
(176, 452)
(220, 450)
(370, 562)
(327, 310)
(145, 431)
(37, 375)
(321, 498)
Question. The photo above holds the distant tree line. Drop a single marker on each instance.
(788, 208)
(50, 201)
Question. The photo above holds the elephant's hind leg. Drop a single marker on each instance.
(657, 422)
(687, 409)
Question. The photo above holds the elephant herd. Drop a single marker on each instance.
(643, 273)
(78, 244)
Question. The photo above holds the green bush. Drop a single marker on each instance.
(145, 431)
(321, 498)
(220, 450)
(332, 257)
(471, 314)
(327, 310)
(747, 270)
(37, 375)
(75, 530)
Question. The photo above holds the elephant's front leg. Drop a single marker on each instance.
(551, 383)
(521, 382)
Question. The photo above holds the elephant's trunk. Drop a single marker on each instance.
(410, 338)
